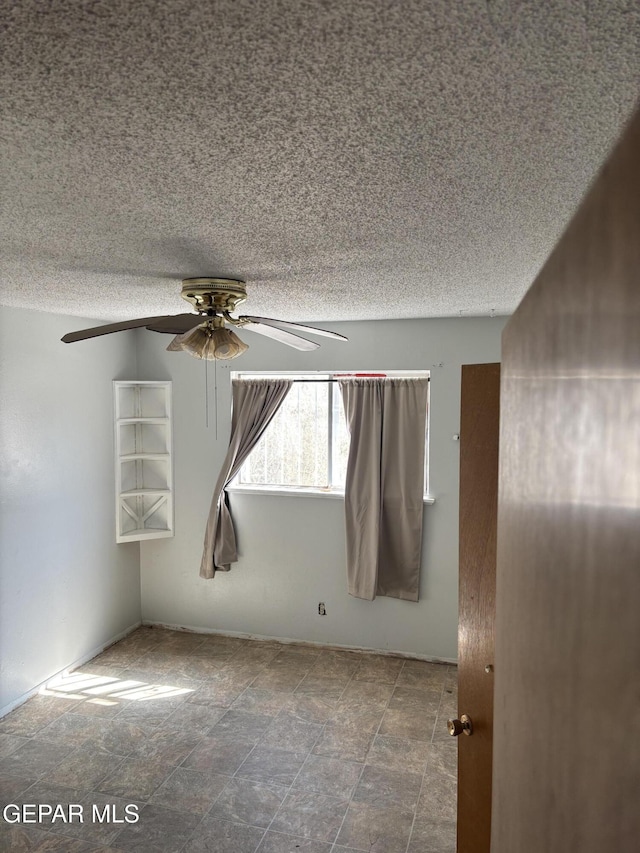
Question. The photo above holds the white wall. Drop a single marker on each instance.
(66, 588)
(292, 549)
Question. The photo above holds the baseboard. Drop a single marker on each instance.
(288, 640)
(22, 699)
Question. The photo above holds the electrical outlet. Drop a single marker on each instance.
(322, 610)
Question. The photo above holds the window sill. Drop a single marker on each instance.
(297, 492)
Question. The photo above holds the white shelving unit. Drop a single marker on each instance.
(144, 469)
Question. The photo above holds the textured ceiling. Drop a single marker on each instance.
(351, 159)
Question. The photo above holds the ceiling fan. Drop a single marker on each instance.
(206, 333)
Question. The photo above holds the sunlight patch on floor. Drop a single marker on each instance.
(106, 690)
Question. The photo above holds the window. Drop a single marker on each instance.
(306, 445)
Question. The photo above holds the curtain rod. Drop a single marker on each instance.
(357, 376)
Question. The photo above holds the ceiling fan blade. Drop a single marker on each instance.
(268, 321)
(82, 335)
(279, 335)
(176, 324)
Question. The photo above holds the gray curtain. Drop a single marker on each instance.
(385, 485)
(255, 402)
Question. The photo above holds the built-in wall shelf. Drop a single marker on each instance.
(143, 460)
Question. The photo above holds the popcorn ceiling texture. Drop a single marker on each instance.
(352, 159)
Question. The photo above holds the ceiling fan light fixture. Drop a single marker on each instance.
(209, 343)
(226, 344)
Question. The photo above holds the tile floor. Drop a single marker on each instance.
(236, 746)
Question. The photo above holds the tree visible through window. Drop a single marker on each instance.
(307, 442)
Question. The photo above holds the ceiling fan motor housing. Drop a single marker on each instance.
(214, 294)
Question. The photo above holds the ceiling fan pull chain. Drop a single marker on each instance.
(206, 392)
(215, 389)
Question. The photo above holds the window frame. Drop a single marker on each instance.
(331, 377)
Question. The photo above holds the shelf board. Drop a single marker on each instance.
(130, 493)
(143, 420)
(126, 457)
(145, 533)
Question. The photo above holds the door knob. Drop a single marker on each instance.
(458, 727)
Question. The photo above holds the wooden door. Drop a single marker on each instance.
(567, 701)
(479, 431)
